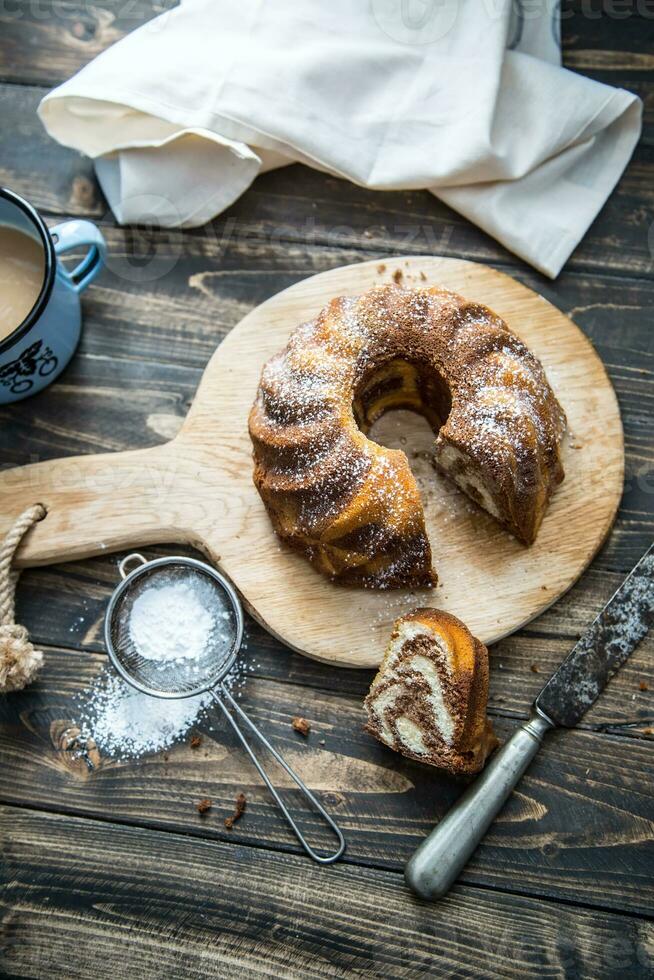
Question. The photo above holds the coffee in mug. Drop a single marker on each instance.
(22, 271)
(40, 308)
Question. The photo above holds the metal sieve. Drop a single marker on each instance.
(186, 676)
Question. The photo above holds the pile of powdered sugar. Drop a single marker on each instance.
(177, 619)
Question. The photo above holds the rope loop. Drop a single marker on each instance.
(19, 661)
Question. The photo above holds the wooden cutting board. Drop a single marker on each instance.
(197, 489)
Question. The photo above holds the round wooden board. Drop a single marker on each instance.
(493, 583)
(198, 488)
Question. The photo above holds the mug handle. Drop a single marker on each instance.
(73, 234)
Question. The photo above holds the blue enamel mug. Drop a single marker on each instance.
(39, 348)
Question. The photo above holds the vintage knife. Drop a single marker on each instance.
(566, 697)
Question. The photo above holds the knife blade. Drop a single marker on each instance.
(568, 694)
(602, 649)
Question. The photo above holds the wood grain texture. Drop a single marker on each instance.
(579, 827)
(83, 898)
(198, 488)
(88, 899)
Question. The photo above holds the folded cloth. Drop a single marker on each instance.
(464, 98)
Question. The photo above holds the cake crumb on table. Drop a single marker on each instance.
(241, 803)
(301, 725)
(643, 686)
(535, 669)
(204, 805)
(196, 741)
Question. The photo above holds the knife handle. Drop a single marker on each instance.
(441, 857)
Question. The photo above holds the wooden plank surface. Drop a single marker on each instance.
(158, 892)
(579, 828)
(88, 898)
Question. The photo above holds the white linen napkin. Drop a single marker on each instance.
(464, 97)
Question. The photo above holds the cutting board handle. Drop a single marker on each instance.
(97, 503)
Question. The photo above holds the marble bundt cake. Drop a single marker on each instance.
(352, 506)
(428, 700)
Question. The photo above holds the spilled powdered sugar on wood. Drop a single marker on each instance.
(170, 622)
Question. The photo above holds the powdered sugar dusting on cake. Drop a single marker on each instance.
(352, 506)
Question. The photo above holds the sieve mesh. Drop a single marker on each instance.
(181, 670)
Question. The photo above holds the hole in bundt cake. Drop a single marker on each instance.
(400, 384)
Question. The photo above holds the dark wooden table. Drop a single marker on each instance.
(112, 872)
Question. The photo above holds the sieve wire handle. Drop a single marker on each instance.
(221, 700)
